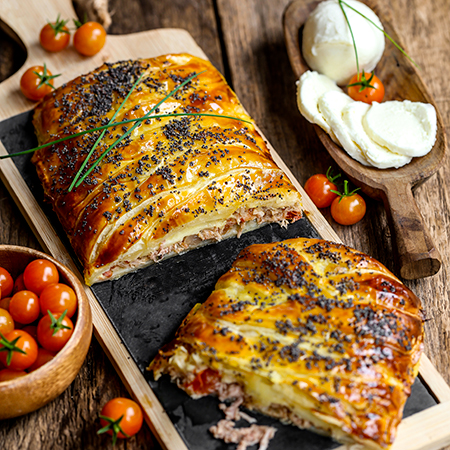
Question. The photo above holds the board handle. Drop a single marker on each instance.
(417, 253)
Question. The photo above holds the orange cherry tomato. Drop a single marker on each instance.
(24, 307)
(53, 331)
(39, 274)
(6, 282)
(6, 322)
(57, 298)
(89, 39)
(19, 285)
(360, 92)
(37, 82)
(43, 357)
(348, 208)
(319, 188)
(130, 423)
(18, 350)
(55, 36)
(9, 374)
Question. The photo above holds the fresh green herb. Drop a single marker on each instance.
(102, 134)
(110, 125)
(45, 77)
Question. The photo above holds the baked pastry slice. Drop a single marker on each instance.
(312, 332)
(174, 183)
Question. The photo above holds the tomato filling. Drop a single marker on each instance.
(205, 382)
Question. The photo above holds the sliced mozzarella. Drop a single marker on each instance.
(331, 105)
(407, 128)
(378, 156)
(310, 87)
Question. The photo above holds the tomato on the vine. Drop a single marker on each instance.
(39, 274)
(6, 321)
(6, 282)
(121, 418)
(18, 350)
(319, 187)
(24, 307)
(54, 330)
(366, 87)
(89, 38)
(349, 207)
(37, 82)
(58, 298)
(55, 36)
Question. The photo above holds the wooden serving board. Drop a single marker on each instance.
(427, 429)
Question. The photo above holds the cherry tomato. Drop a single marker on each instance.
(57, 298)
(348, 208)
(6, 321)
(9, 374)
(18, 350)
(24, 307)
(89, 39)
(55, 36)
(37, 82)
(53, 331)
(319, 188)
(19, 285)
(39, 274)
(4, 303)
(359, 90)
(130, 423)
(43, 357)
(6, 282)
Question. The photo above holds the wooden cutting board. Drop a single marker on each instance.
(22, 18)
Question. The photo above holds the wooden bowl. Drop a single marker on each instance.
(25, 394)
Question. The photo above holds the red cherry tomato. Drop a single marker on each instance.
(24, 307)
(43, 357)
(18, 350)
(130, 423)
(319, 188)
(89, 39)
(6, 322)
(6, 282)
(360, 91)
(55, 36)
(9, 374)
(349, 208)
(31, 330)
(37, 82)
(57, 298)
(53, 331)
(39, 274)
(19, 285)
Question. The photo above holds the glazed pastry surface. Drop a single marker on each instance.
(312, 332)
(174, 183)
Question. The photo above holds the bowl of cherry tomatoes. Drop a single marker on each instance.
(45, 329)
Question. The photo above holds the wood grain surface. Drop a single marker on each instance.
(244, 39)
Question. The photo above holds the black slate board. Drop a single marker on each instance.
(147, 307)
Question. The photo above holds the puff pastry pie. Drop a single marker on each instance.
(174, 183)
(312, 332)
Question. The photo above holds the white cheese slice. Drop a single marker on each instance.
(331, 105)
(378, 156)
(407, 128)
(310, 87)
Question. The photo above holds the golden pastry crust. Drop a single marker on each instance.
(313, 332)
(174, 183)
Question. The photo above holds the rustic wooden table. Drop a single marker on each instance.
(244, 39)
